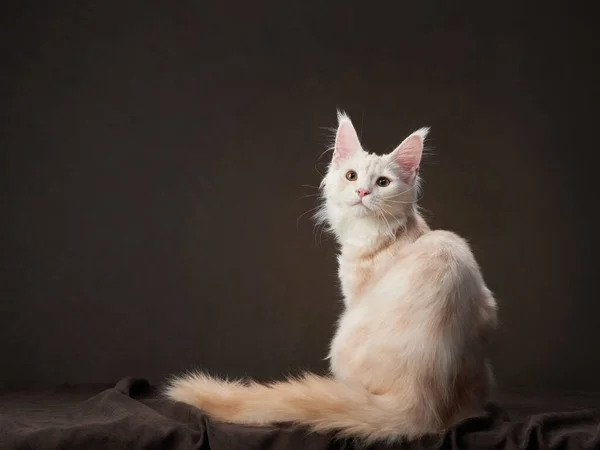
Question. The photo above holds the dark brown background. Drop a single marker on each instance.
(153, 157)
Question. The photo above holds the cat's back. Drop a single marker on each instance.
(439, 247)
(434, 265)
(427, 264)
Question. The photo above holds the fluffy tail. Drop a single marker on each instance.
(324, 404)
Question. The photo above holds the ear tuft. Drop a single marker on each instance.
(422, 132)
(342, 117)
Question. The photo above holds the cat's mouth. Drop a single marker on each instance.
(359, 204)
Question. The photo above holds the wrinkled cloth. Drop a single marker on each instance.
(131, 416)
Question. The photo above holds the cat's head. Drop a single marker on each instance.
(361, 185)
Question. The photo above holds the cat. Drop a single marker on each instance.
(411, 353)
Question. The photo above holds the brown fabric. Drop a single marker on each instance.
(130, 416)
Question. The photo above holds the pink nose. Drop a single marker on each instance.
(362, 192)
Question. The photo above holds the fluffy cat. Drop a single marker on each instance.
(410, 355)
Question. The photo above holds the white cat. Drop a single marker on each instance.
(410, 354)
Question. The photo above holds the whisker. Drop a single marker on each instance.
(310, 195)
(320, 229)
(403, 192)
(400, 224)
(305, 213)
(401, 202)
(379, 212)
(330, 148)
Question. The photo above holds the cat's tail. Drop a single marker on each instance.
(323, 404)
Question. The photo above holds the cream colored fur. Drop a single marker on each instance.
(410, 354)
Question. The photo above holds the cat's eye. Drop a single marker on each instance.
(351, 175)
(383, 181)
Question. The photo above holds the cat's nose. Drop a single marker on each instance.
(362, 192)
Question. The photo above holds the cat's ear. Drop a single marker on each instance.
(408, 154)
(346, 140)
